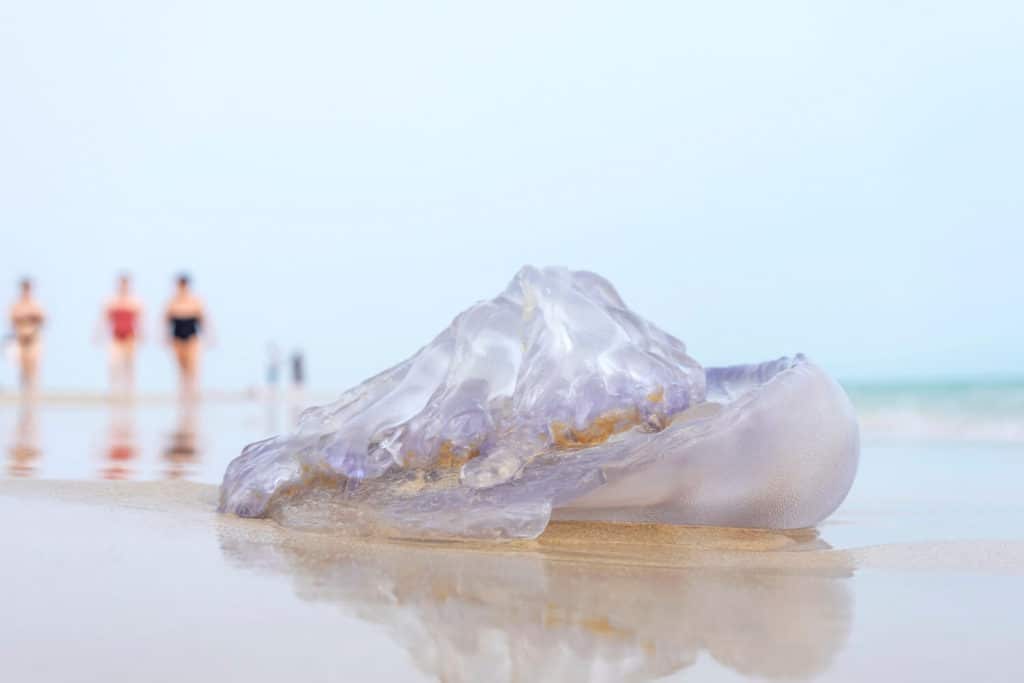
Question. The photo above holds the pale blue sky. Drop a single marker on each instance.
(757, 178)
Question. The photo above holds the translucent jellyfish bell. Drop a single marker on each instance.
(554, 400)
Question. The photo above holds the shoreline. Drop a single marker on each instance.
(638, 545)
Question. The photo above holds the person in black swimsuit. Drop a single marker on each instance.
(184, 328)
(185, 318)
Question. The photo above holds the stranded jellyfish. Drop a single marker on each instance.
(555, 401)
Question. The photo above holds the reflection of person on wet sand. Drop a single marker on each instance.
(122, 448)
(186, 320)
(24, 452)
(271, 389)
(27, 318)
(122, 318)
(182, 450)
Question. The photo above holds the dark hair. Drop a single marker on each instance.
(25, 282)
(184, 279)
(124, 276)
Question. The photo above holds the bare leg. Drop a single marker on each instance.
(181, 356)
(115, 368)
(187, 353)
(129, 370)
(122, 371)
(28, 354)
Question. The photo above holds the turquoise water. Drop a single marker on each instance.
(1004, 397)
(978, 410)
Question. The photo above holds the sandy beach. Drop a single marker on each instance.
(510, 271)
(146, 580)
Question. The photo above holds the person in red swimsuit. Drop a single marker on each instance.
(122, 318)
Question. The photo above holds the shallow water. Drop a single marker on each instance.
(144, 440)
(146, 581)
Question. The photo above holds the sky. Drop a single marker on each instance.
(841, 179)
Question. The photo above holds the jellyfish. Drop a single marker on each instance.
(555, 401)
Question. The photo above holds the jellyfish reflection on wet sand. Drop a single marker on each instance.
(640, 604)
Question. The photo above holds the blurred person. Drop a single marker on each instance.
(122, 318)
(297, 399)
(186, 319)
(298, 370)
(27, 318)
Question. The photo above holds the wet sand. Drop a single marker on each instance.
(116, 567)
(145, 580)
